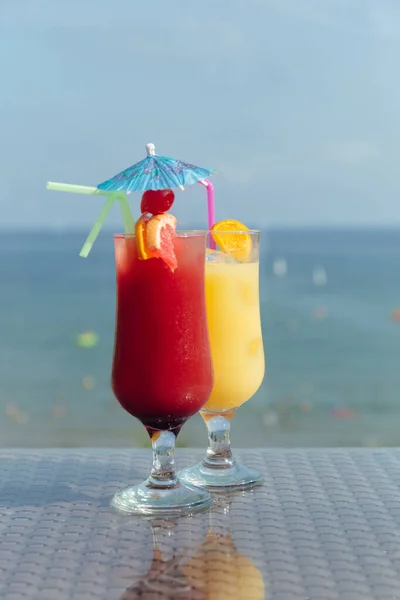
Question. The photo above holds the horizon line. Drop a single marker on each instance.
(274, 228)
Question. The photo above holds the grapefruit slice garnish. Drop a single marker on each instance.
(231, 237)
(143, 250)
(160, 235)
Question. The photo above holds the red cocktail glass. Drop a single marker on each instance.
(162, 369)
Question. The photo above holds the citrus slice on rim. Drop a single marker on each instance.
(231, 237)
(160, 235)
(143, 250)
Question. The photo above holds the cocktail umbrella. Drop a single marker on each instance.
(153, 173)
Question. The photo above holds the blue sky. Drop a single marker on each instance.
(295, 103)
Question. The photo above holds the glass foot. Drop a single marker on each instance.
(226, 478)
(145, 499)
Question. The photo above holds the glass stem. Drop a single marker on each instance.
(218, 455)
(163, 472)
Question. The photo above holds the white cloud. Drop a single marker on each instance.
(317, 11)
(377, 18)
(353, 152)
(385, 19)
(63, 14)
(156, 27)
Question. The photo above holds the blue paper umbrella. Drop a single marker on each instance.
(152, 173)
(155, 173)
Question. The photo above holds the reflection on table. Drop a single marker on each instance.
(213, 570)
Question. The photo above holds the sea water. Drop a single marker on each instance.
(332, 343)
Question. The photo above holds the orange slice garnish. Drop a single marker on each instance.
(143, 250)
(160, 235)
(231, 237)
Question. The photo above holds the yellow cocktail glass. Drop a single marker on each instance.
(234, 324)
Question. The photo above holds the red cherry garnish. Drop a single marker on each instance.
(157, 202)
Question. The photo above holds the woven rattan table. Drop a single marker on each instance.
(325, 525)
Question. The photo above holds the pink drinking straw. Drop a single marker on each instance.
(210, 207)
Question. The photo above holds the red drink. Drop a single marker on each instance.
(162, 369)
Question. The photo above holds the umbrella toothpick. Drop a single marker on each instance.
(151, 149)
(155, 172)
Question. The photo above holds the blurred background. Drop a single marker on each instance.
(295, 104)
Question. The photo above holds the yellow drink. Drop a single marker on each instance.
(233, 314)
(234, 325)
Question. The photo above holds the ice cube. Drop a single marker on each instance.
(217, 256)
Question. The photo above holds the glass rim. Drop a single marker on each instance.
(179, 233)
(196, 232)
(237, 231)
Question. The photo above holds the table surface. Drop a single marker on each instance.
(325, 525)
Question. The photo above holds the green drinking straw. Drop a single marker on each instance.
(127, 218)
